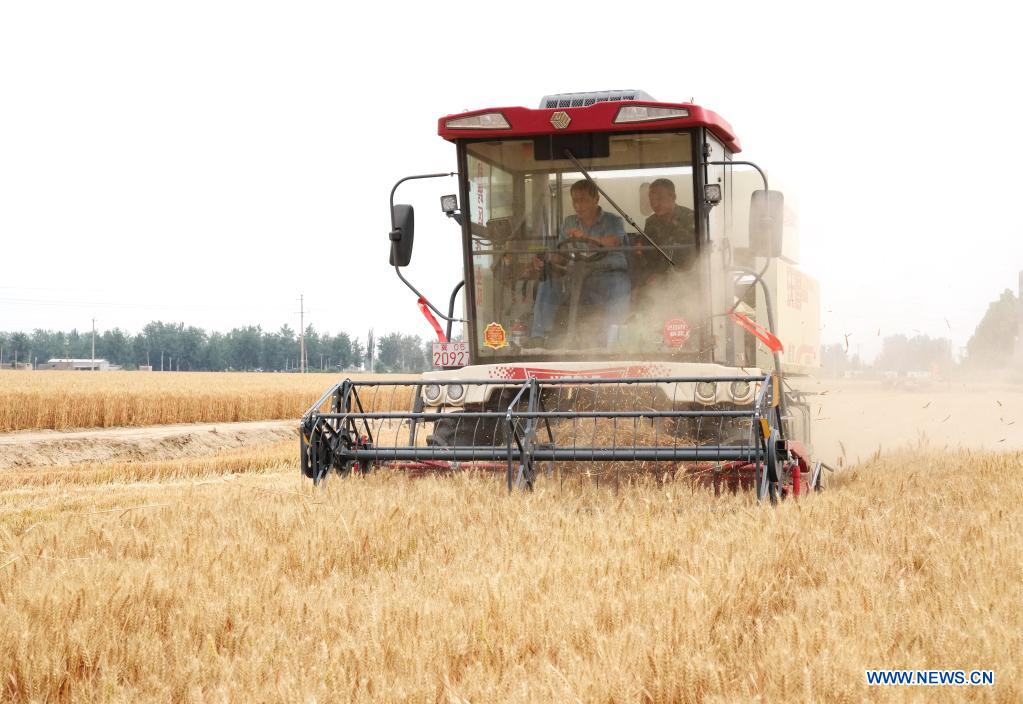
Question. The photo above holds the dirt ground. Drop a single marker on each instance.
(852, 420)
(52, 447)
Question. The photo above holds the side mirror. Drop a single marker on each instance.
(766, 220)
(402, 235)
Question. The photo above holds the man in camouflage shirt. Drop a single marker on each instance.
(670, 226)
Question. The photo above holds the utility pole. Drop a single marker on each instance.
(370, 350)
(301, 334)
(93, 344)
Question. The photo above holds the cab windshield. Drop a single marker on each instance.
(557, 271)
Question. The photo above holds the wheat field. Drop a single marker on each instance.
(63, 400)
(189, 584)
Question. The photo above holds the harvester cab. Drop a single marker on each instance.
(631, 303)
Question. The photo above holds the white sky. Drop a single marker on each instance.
(207, 162)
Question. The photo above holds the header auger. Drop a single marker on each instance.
(631, 305)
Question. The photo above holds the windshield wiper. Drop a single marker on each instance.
(571, 157)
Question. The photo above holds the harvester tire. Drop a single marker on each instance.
(303, 454)
(767, 475)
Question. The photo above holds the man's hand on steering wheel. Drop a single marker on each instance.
(578, 247)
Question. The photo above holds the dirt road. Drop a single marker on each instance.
(851, 421)
(51, 447)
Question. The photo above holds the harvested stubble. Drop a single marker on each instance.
(387, 589)
(61, 400)
(262, 458)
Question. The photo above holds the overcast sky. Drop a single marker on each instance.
(208, 162)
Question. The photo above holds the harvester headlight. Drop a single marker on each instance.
(483, 121)
(431, 392)
(706, 391)
(643, 113)
(456, 392)
(742, 392)
(449, 203)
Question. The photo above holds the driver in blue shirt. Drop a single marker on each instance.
(607, 281)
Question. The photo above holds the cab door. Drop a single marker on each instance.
(717, 256)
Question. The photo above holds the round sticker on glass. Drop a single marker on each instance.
(676, 332)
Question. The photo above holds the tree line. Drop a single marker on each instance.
(177, 347)
(993, 345)
(173, 346)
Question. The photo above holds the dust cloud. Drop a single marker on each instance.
(853, 419)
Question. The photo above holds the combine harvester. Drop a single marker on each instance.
(631, 304)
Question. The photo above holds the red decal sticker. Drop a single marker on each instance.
(676, 332)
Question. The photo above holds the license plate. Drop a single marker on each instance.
(450, 354)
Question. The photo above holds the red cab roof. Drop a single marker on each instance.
(598, 117)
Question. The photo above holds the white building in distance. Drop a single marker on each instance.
(84, 365)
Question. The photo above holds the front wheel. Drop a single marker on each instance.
(767, 476)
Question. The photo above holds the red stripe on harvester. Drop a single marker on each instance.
(441, 337)
(761, 333)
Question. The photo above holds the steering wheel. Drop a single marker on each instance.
(583, 249)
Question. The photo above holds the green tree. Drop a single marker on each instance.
(920, 353)
(191, 347)
(278, 348)
(114, 346)
(163, 344)
(313, 348)
(244, 347)
(140, 351)
(215, 356)
(401, 353)
(388, 353)
(358, 355)
(19, 348)
(994, 340)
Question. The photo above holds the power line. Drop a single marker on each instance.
(121, 304)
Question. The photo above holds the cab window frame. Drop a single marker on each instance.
(695, 162)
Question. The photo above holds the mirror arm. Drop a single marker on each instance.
(767, 263)
(410, 178)
(769, 304)
(742, 163)
(451, 305)
(395, 236)
(426, 300)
